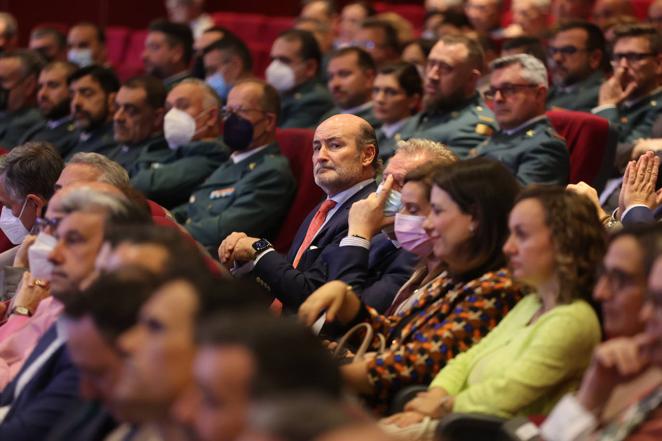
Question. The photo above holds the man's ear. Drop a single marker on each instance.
(368, 154)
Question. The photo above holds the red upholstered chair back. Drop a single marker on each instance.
(117, 39)
(248, 27)
(297, 146)
(132, 64)
(591, 143)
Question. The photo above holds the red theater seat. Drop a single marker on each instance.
(249, 27)
(117, 38)
(261, 57)
(132, 64)
(415, 14)
(274, 26)
(297, 146)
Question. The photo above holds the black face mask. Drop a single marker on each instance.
(198, 69)
(237, 132)
(4, 99)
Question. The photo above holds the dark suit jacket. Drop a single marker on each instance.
(45, 398)
(324, 260)
(641, 215)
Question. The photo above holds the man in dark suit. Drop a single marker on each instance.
(345, 161)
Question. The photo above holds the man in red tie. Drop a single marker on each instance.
(345, 161)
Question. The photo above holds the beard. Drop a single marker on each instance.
(58, 111)
(441, 104)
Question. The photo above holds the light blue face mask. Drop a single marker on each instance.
(393, 201)
(217, 82)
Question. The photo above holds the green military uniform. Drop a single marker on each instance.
(305, 106)
(61, 133)
(533, 152)
(174, 80)
(461, 128)
(634, 119)
(581, 96)
(13, 125)
(252, 195)
(387, 144)
(99, 140)
(127, 155)
(364, 111)
(168, 177)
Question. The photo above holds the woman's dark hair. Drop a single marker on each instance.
(577, 236)
(424, 175)
(486, 190)
(649, 238)
(407, 76)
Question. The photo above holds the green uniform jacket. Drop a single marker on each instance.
(174, 80)
(168, 177)
(388, 145)
(62, 134)
(14, 125)
(127, 155)
(635, 120)
(581, 96)
(461, 129)
(252, 196)
(535, 153)
(305, 106)
(363, 113)
(98, 141)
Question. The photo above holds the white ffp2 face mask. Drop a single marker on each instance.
(40, 266)
(280, 75)
(178, 128)
(80, 57)
(12, 226)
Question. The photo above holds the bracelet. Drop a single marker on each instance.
(359, 236)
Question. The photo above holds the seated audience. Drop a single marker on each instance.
(569, 10)
(226, 62)
(485, 16)
(92, 167)
(655, 14)
(191, 13)
(577, 55)
(86, 45)
(620, 392)
(380, 39)
(168, 52)
(345, 161)
(417, 53)
(350, 77)
(54, 102)
(632, 98)
(251, 191)
(93, 90)
(467, 227)
(530, 18)
(323, 34)
(50, 43)
(8, 32)
(19, 73)
(453, 114)
(138, 120)
(294, 72)
(540, 349)
(322, 11)
(524, 45)
(527, 143)
(396, 96)
(191, 129)
(351, 17)
(606, 10)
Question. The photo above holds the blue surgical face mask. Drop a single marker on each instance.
(393, 201)
(81, 57)
(217, 82)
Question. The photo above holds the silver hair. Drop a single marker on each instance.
(111, 172)
(434, 151)
(88, 200)
(11, 25)
(543, 5)
(210, 97)
(533, 71)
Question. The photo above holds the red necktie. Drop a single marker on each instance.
(313, 228)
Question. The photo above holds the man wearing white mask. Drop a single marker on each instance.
(86, 43)
(294, 73)
(191, 129)
(226, 61)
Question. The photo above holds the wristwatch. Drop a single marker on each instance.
(21, 310)
(261, 246)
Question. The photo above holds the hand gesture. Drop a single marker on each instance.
(334, 298)
(591, 193)
(31, 292)
(227, 247)
(612, 91)
(366, 217)
(639, 183)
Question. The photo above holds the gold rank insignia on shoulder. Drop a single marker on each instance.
(485, 118)
(653, 103)
(221, 193)
(191, 200)
(252, 166)
(624, 119)
(479, 108)
(530, 133)
(484, 129)
(397, 137)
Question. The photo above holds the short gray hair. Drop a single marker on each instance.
(210, 97)
(10, 23)
(533, 70)
(89, 200)
(111, 172)
(436, 152)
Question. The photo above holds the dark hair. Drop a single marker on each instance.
(456, 18)
(648, 32)
(486, 190)
(270, 99)
(45, 31)
(364, 59)
(177, 34)
(367, 7)
(33, 167)
(577, 236)
(235, 46)
(287, 357)
(31, 61)
(595, 38)
(390, 33)
(68, 67)
(155, 91)
(476, 54)
(527, 45)
(425, 44)
(407, 76)
(368, 136)
(101, 35)
(104, 76)
(331, 7)
(113, 300)
(309, 49)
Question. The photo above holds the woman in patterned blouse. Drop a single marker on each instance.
(470, 201)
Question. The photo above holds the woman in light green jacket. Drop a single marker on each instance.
(540, 350)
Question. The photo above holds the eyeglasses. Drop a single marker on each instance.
(631, 57)
(44, 223)
(617, 279)
(507, 90)
(367, 44)
(566, 51)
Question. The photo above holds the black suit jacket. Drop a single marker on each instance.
(387, 267)
(45, 398)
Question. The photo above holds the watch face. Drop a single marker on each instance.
(261, 245)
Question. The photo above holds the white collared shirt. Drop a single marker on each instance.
(522, 126)
(240, 156)
(391, 129)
